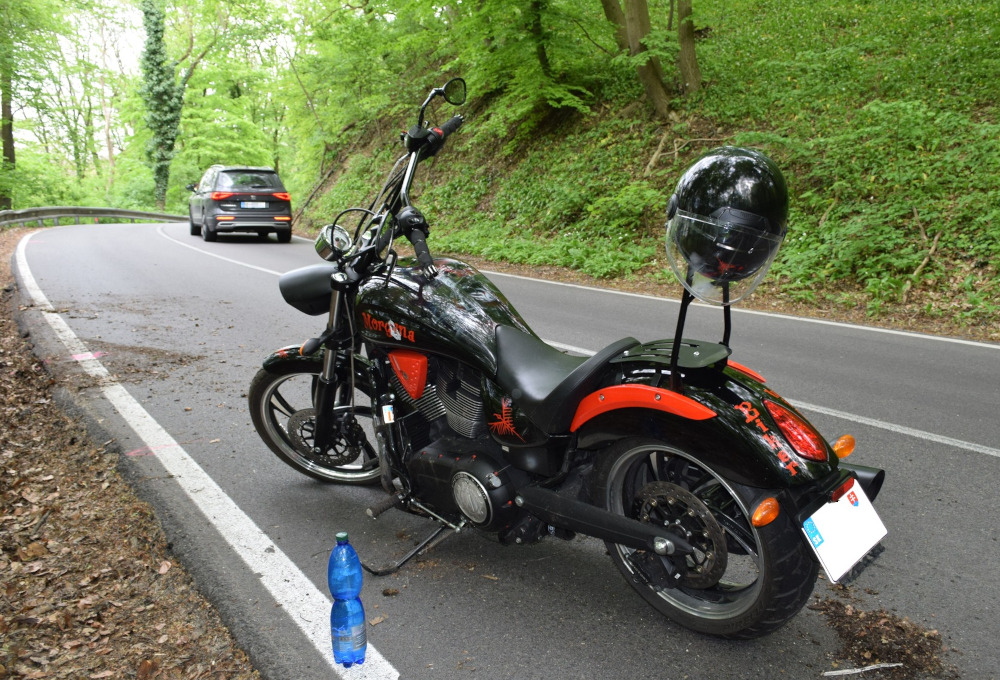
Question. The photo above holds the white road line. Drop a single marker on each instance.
(307, 605)
(754, 312)
(898, 429)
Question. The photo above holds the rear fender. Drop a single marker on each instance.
(727, 452)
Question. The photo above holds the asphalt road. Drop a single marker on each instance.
(182, 326)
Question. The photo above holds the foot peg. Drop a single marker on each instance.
(387, 503)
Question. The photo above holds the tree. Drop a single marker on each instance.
(162, 89)
(633, 26)
(23, 44)
(687, 60)
(163, 96)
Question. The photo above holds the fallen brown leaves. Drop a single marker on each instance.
(869, 638)
(88, 588)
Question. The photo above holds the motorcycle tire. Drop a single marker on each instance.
(741, 582)
(281, 399)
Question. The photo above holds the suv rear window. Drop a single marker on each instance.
(248, 179)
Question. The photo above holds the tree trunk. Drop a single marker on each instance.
(687, 60)
(632, 26)
(6, 126)
(535, 8)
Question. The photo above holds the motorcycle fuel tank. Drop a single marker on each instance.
(453, 314)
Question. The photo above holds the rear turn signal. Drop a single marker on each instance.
(225, 218)
(281, 218)
(805, 440)
(844, 446)
(766, 512)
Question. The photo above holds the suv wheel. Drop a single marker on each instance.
(195, 229)
(284, 235)
(208, 233)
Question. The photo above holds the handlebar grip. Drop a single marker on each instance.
(419, 241)
(451, 125)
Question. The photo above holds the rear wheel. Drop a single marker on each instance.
(741, 581)
(208, 233)
(281, 407)
(284, 235)
(195, 229)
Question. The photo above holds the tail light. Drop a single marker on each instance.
(282, 195)
(221, 195)
(803, 438)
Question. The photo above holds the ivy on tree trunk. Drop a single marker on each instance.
(163, 96)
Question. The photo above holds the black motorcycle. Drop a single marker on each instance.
(716, 498)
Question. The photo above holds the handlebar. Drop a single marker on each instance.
(436, 136)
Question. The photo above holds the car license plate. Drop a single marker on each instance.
(253, 204)
(843, 532)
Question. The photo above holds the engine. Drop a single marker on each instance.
(454, 464)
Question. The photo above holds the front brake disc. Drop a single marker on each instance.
(302, 433)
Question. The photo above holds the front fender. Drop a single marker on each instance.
(292, 353)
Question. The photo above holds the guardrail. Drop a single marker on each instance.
(40, 215)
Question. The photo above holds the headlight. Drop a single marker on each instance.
(333, 242)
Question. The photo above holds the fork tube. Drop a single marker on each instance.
(327, 388)
(330, 357)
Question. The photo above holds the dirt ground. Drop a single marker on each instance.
(88, 585)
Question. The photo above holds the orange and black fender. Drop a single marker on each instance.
(725, 417)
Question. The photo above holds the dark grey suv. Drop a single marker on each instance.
(240, 198)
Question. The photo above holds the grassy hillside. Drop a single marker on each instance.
(882, 113)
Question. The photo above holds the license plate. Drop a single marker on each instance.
(253, 204)
(843, 532)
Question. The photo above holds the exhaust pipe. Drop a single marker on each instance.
(871, 479)
(566, 513)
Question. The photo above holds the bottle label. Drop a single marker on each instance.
(355, 637)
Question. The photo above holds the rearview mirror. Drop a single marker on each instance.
(454, 91)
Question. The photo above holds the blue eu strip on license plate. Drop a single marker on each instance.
(843, 532)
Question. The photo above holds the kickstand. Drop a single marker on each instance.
(435, 538)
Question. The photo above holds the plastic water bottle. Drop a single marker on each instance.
(347, 616)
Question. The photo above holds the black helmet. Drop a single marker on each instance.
(725, 223)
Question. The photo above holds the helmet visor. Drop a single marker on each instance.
(718, 261)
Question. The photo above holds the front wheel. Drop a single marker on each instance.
(741, 581)
(281, 401)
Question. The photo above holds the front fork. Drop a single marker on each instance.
(332, 392)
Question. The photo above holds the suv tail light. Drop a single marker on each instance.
(221, 195)
(282, 195)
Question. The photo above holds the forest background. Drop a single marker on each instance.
(883, 114)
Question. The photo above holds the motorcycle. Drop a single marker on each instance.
(717, 500)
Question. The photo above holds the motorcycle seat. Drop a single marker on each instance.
(545, 383)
